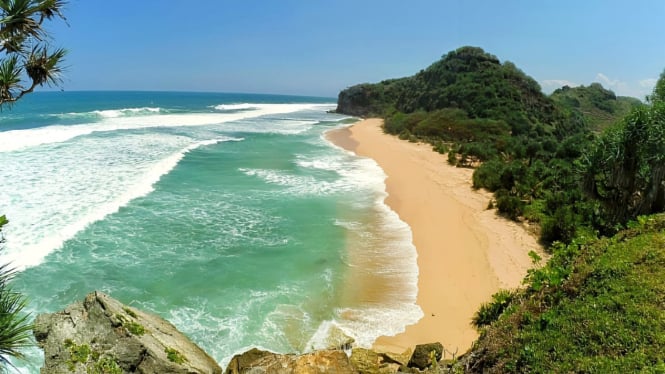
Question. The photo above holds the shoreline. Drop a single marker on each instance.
(465, 252)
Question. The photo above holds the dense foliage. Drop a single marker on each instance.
(625, 170)
(597, 306)
(29, 61)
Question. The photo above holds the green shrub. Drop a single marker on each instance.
(510, 206)
(134, 328)
(488, 175)
(106, 365)
(561, 226)
(129, 312)
(490, 312)
(452, 157)
(175, 356)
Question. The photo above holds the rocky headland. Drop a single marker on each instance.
(100, 335)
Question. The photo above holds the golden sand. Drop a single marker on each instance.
(465, 252)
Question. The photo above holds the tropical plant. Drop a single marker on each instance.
(625, 170)
(29, 61)
(15, 329)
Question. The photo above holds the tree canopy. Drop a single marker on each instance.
(625, 169)
(29, 61)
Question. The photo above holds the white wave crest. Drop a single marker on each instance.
(20, 139)
(115, 113)
(244, 106)
(35, 231)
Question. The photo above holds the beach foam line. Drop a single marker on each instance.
(14, 140)
(34, 254)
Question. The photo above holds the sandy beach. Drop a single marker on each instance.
(465, 252)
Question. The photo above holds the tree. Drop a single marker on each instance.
(28, 61)
(625, 171)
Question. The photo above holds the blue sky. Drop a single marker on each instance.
(312, 47)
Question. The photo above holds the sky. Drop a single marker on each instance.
(319, 47)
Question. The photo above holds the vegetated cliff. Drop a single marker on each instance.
(596, 307)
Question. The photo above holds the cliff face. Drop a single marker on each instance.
(357, 101)
(101, 335)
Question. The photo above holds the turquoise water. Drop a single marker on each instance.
(229, 215)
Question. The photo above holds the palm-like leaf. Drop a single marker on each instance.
(49, 9)
(10, 78)
(15, 329)
(44, 68)
(19, 19)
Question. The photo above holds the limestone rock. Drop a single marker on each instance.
(397, 358)
(101, 335)
(337, 339)
(319, 362)
(421, 357)
(365, 361)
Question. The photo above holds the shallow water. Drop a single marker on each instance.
(229, 215)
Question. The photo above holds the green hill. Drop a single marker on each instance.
(468, 79)
(481, 110)
(599, 107)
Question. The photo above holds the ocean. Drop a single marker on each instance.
(229, 215)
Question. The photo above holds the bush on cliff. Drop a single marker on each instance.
(595, 307)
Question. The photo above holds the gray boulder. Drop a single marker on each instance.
(101, 335)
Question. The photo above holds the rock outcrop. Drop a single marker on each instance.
(101, 335)
(361, 361)
(320, 362)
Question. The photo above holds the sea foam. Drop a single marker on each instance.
(113, 120)
(69, 204)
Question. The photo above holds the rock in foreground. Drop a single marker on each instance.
(319, 362)
(101, 335)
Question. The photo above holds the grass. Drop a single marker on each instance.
(78, 354)
(106, 365)
(175, 356)
(134, 328)
(130, 312)
(597, 306)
